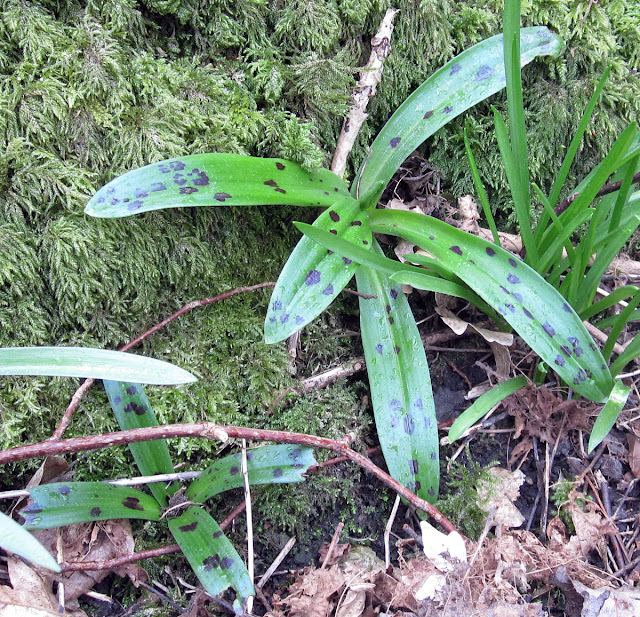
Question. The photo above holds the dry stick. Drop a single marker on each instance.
(370, 77)
(247, 503)
(332, 546)
(276, 562)
(387, 532)
(210, 430)
(81, 391)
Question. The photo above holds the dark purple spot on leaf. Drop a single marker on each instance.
(280, 166)
(513, 279)
(135, 205)
(328, 291)
(277, 305)
(548, 328)
(517, 296)
(347, 260)
(573, 340)
(64, 490)
(418, 403)
(566, 308)
(490, 251)
(434, 456)
(190, 527)
(513, 263)
(431, 492)
(409, 425)
(284, 318)
(391, 320)
(187, 190)
(299, 320)
(413, 466)
(157, 186)
(221, 196)
(387, 308)
(484, 73)
(454, 69)
(396, 349)
(234, 470)
(329, 252)
(456, 249)
(278, 473)
(131, 390)
(565, 350)
(394, 142)
(117, 400)
(356, 223)
(140, 193)
(448, 109)
(559, 360)
(393, 293)
(592, 347)
(431, 237)
(527, 313)
(226, 563)
(177, 165)
(211, 562)
(202, 179)
(379, 348)
(334, 231)
(95, 512)
(505, 290)
(428, 114)
(334, 216)
(218, 534)
(133, 503)
(395, 405)
(511, 307)
(313, 277)
(165, 169)
(279, 190)
(179, 179)
(365, 242)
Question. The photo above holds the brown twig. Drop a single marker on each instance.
(81, 391)
(209, 430)
(332, 545)
(605, 190)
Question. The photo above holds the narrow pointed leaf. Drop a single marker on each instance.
(313, 276)
(65, 503)
(213, 558)
(528, 303)
(85, 362)
(483, 404)
(267, 465)
(609, 414)
(466, 80)
(133, 410)
(215, 180)
(400, 384)
(18, 540)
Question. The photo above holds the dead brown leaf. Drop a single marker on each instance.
(314, 593)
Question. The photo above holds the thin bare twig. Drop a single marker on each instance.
(209, 430)
(276, 562)
(82, 390)
(332, 546)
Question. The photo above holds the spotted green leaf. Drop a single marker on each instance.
(267, 465)
(133, 410)
(313, 276)
(527, 302)
(85, 362)
(466, 80)
(215, 180)
(18, 540)
(400, 384)
(609, 414)
(65, 503)
(213, 558)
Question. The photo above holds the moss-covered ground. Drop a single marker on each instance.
(91, 89)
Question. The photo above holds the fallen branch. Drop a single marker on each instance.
(209, 430)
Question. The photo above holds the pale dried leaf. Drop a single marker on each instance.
(353, 603)
(459, 326)
(501, 494)
(634, 453)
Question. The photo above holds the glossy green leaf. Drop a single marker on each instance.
(466, 80)
(65, 503)
(213, 558)
(313, 276)
(133, 410)
(400, 384)
(266, 465)
(609, 414)
(483, 404)
(16, 539)
(527, 302)
(85, 362)
(215, 180)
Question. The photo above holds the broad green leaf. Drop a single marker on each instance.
(85, 362)
(400, 384)
(466, 80)
(527, 302)
(215, 180)
(16, 539)
(213, 558)
(609, 414)
(66, 503)
(426, 279)
(483, 404)
(267, 465)
(313, 276)
(133, 410)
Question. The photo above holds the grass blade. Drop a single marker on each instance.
(16, 539)
(619, 324)
(213, 558)
(86, 362)
(631, 352)
(467, 79)
(527, 302)
(400, 384)
(313, 276)
(266, 465)
(65, 503)
(609, 414)
(215, 180)
(133, 410)
(483, 404)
